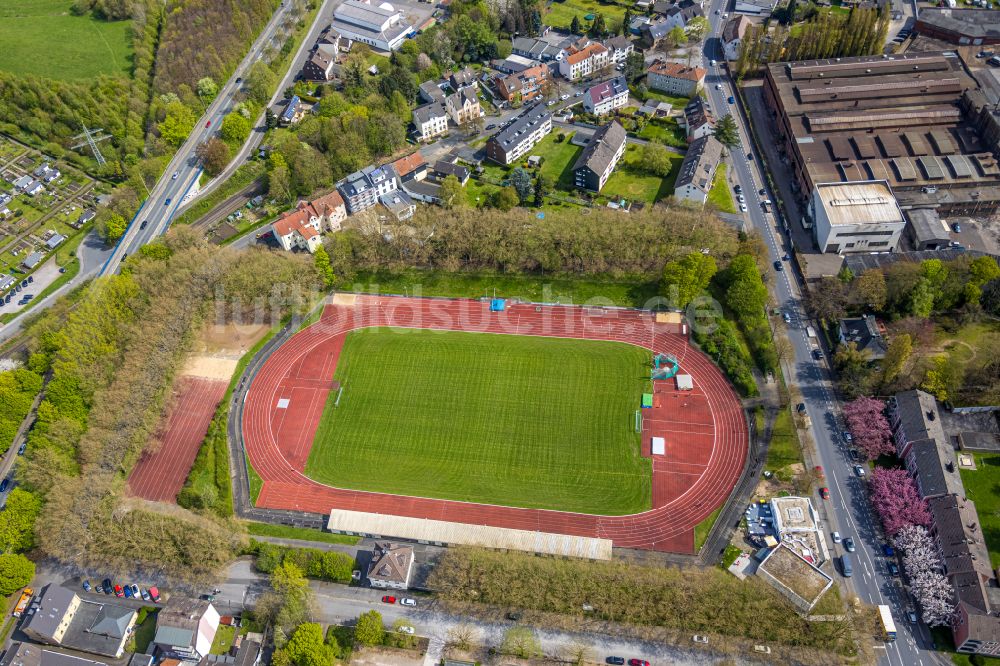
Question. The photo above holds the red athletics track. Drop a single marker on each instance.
(160, 475)
(705, 430)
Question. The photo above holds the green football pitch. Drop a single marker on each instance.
(498, 419)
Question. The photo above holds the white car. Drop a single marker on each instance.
(406, 601)
(718, 86)
(741, 198)
(564, 97)
(836, 537)
(176, 173)
(743, 208)
(859, 470)
(551, 102)
(407, 630)
(579, 93)
(713, 63)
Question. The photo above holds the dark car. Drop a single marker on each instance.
(777, 266)
(21, 449)
(824, 493)
(749, 157)
(853, 453)
(893, 569)
(128, 591)
(167, 202)
(761, 191)
(513, 616)
(24, 283)
(31, 278)
(888, 550)
(801, 408)
(491, 126)
(239, 79)
(86, 585)
(617, 661)
(849, 544)
(143, 225)
(738, 189)
(731, 100)
(4, 485)
(818, 354)
(106, 584)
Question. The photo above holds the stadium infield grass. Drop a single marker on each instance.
(497, 419)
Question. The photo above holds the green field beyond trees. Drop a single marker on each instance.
(499, 419)
(42, 38)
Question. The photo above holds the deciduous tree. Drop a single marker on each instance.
(16, 571)
(177, 124)
(869, 427)
(305, 648)
(17, 521)
(323, 267)
(746, 294)
(521, 642)
(235, 128)
(207, 88)
(260, 82)
(214, 155)
(897, 500)
(871, 289)
(369, 629)
(827, 299)
(686, 278)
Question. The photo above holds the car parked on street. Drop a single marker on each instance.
(86, 585)
(849, 544)
(731, 100)
(615, 661)
(405, 629)
(859, 470)
(638, 662)
(407, 602)
(836, 537)
(387, 599)
(824, 493)
(119, 591)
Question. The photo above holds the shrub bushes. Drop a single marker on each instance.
(321, 565)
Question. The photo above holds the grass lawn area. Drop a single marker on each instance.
(784, 449)
(477, 192)
(982, 486)
(87, 48)
(301, 533)
(558, 159)
(500, 419)
(536, 288)
(560, 14)
(678, 103)
(720, 195)
(666, 131)
(702, 529)
(223, 639)
(145, 632)
(629, 182)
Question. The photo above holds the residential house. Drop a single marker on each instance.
(7, 280)
(185, 629)
(605, 97)
(391, 566)
(755, 7)
(47, 173)
(698, 120)
(443, 169)
(463, 78)
(30, 654)
(21, 184)
(523, 86)
(864, 333)
(430, 120)
(410, 168)
(636, 24)
(599, 159)
(87, 215)
(430, 91)
(362, 189)
(399, 204)
(381, 26)
(35, 187)
(302, 228)
(54, 241)
(657, 29)
(619, 48)
(585, 62)
(423, 190)
(463, 106)
(536, 49)
(694, 181)
(674, 78)
(64, 619)
(732, 36)
(521, 134)
(32, 260)
(293, 112)
(322, 60)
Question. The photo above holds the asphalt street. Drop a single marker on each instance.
(847, 511)
(182, 174)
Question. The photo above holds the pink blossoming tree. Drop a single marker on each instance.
(869, 426)
(896, 500)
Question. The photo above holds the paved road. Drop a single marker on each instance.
(92, 253)
(848, 509)
(182, 173)
(339, 604)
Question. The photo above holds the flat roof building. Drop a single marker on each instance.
(960, 26)
(901, 119)
(856, 217)
(378, 26)
(797, 525)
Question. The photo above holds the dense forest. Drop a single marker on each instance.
(112, 356)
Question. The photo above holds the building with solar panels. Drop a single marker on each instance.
(906, 120)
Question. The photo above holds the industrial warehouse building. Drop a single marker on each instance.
(910, 121)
